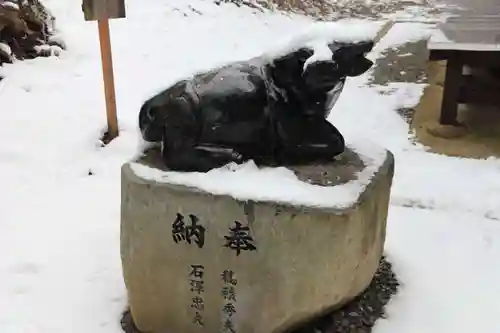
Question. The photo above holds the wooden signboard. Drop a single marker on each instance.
(101, 11)
(95, 10)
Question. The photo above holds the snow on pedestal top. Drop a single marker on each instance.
(5, 48)
(279, 184)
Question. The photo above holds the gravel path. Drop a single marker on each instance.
(360, 315)
(404, 64)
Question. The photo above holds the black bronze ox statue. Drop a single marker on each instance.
(273, 112)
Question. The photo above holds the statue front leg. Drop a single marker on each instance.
(308, 139)
(188, 158)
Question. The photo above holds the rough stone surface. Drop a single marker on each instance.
(308, 261)
(357, 316)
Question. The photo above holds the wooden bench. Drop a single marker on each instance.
(472, 41)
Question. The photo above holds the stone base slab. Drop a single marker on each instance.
(197, 262)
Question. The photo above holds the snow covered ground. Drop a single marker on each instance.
(59, 226)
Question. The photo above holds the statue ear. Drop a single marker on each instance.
(357, 66)
(288, 68)
(350, 57)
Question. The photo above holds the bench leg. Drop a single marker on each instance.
(449, 106)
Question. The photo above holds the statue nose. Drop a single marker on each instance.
(310, 112)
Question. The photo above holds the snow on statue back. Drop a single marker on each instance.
(271, 109)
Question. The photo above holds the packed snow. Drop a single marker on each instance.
(439, 41)
(249, 182)
(60, 267)
(9, 4)
(5, 48)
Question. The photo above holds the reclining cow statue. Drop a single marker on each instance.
(270, 111)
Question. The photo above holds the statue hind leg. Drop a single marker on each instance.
(180, 148)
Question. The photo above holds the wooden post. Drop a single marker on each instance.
(101, 11)
(452, 82)
(108, 78)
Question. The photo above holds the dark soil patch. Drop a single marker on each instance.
(105, 139)
(127, 323)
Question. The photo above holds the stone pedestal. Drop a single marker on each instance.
(198, 262)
